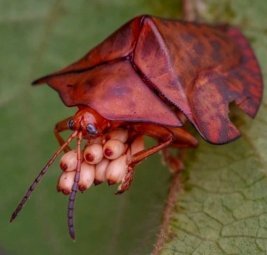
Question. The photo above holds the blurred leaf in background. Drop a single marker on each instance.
(38, 37)
(221, 208)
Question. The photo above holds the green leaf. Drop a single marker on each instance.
(222, 208)
(38, 37)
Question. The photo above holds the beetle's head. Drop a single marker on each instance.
(89, 122)
(86, 123)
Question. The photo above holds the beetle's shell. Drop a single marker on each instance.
(152, 67)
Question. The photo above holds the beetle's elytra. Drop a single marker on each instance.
(150, 77)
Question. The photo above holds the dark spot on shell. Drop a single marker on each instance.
(216, 50)
(216, 45)
(198, 47)
(236, 75)
(91, 83)
(120, 91)
(221, 85)
(245, 59)
(195, 60)
(186, 37)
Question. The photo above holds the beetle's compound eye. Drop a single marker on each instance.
(71, 124)
(91, 129)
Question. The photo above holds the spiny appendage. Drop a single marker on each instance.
(39, 177)
(71, 202)
(72, 196)
(29, 192)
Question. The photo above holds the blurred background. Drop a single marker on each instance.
(39, 37)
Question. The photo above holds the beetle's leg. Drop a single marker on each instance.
(60, 127)
(183, 139)
(138, 157)
(176, 137)
(173, 162)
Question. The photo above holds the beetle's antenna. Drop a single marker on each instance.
(74, 189)
(40, 175)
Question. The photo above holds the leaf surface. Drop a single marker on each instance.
(222, 208)
(38, 37)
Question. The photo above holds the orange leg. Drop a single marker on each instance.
(173, 162)
(183, 139)
(176, 137)
(61, 126)
(165, 138)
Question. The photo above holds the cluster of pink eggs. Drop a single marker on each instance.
(104, 159)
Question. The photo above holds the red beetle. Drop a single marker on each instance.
(152, 76)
